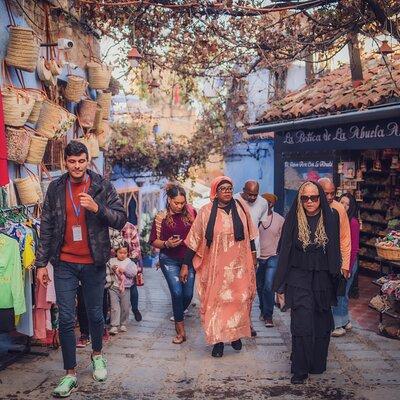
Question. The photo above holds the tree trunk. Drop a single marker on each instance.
(355, 59)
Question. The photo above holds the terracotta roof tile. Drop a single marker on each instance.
(334, 92)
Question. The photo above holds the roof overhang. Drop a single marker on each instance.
(370, 114)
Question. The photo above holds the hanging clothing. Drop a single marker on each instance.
(25, 324)
(11, 282)
(225, 273)
(4, 178)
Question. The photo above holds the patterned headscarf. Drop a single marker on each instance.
(216, 183)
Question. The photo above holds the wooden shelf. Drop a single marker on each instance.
(372, 233)
(372, 246)
(367, 221)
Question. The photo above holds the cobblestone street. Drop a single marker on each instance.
(144, 364)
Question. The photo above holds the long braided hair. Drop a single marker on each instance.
(172, 190)
(304, 236)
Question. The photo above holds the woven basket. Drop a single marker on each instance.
(99, 75)
(17, 104)
(104, 135)
(104, 101)
(84, 140)
(23, 48)
(76, 87)
(37, 149)
(39, 99)
(18, 141)
(87, 113)
(29, 190)
(98, 119)
(388, 253)
(54, 121)
(93, 146)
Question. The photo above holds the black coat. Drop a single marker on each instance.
(111, 214)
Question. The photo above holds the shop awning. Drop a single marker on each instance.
(371, 114)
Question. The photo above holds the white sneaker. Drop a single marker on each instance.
(348, 326)
(122, 328)
(172, 319)
(113, 330)
(338, 332)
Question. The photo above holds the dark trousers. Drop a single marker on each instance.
(311, 332)
(82, 314)
(66, 279)
(181, 293)
(264, 278)
(134, 298)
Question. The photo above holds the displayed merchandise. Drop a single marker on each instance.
(87, 113)
(389, 247)
(39, 97)
(17, 106)
(29, 190)
(18, 142)
(23, 48)
(104, 101)
(37, 149)
(99, 75)
(76, 88)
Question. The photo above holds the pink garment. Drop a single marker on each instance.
(40, 312)
(51, 290)
(225, 273)
(355, 241)
(270, 229)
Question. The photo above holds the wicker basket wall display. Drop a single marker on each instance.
(99, 75)
(75, 89)
(17, 106)
(23, 48)
(104, 101)
(18, 142)
(39, 97)
(391, 253)
(28, 189)
(37, 149)
(87, 113)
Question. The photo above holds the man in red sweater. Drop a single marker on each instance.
(78, 210)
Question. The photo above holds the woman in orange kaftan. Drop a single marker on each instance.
(221, 246)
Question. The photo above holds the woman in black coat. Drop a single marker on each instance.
(307, 274)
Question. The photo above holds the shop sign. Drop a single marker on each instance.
(345, 135)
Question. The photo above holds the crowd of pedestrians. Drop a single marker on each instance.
(235, 247)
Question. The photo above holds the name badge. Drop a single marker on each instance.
(77, 233)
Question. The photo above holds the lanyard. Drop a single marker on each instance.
(77, 209)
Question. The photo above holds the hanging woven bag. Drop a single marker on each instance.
(37, 148)
(75, 89)
(39, 97)
(99, 75)
(28, 189)
(87, 113)
(104, 101)
(18, 142)
(17, 105)
(23, 48)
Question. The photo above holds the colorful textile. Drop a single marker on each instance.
(225, 275)
(11, 282)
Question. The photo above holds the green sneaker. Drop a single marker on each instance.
(99, 364)
(66, 386)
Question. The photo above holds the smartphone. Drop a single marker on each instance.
(176, 237)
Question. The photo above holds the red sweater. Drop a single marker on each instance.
(75, 251)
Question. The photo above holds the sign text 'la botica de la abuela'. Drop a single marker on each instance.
(348, 134)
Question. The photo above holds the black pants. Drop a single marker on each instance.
(82, 314)
(311, 332)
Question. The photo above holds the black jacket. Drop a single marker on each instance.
(111, 214)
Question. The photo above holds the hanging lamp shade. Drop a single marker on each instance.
(134, 57)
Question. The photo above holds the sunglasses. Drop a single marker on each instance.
(225, 189)
(314, 198)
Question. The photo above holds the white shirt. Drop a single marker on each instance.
(257, 211)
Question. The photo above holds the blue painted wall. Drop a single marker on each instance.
(252, 160)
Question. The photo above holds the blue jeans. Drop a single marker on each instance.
(66, 280)
(134, 298)
(181, 293)
(264, 278)
(341, 311)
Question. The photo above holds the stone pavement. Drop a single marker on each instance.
(144, 364)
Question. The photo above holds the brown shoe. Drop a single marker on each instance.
(269, 323)
(181, 334)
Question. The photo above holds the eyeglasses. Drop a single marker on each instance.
(314, 198)
(225, 189)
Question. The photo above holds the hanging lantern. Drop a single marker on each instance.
(385, 48)
(134, 57)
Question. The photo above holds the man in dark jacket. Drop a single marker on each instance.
(78, 210)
